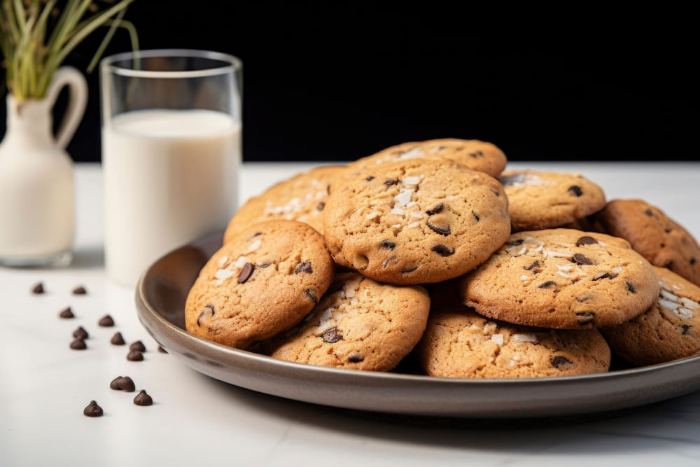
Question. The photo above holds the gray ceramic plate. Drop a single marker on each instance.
(160, 298)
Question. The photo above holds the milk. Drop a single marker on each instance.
(170, 177)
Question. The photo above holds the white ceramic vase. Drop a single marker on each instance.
(37, 213)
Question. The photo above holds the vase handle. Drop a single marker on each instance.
(68, 76)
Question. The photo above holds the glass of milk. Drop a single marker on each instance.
(171, 148)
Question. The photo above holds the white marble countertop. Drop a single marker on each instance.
(196, 420)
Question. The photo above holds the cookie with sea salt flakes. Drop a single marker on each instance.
(542, 200)
(359, 324)
(562, 279)
(459, 343)
(301, 198)
(416, 221)
(478, 155)
(669, 330)
(260, 283)
(654, 235)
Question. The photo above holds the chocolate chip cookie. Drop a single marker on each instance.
(301, 198)
(359, 324)
(653, 234)
(562, 279)
(260, 283)
(669, 330)
(416, 221)
(477, 155)
(459, 343)
(542, 200)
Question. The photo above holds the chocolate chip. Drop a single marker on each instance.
(517, 242)
(331, 336)
(256, 234)
(409, 269)
(443, 250)
(685, 328)
(328, 189)
(387, 245)
(585, 298)
(134, 356)
(575, 190)
(38, 289)
(578, 258)
(161, 349)
(143, 399)
(561, 363)
(693, 261)
(138, 345)
(355, 357)
(605, 275)
(442, 230)
(586, 241)
(93, 410)
(668, 264)
(649, 212)
(476, 154)
(78, 344)
(436, 210)
(106, 321)
(303, 267)
(391, 182)
(201, 315)
(370, 178)
(667, 230)
(210, 307)
(123, 383)
(246, 272)
(117, 339)
(66, 313)
(311, 295)
(388, 261)
(320, 206)
(80, 333)
(585, 317)
(630, 287)
(534, 265)
(263, 265)
(548, 285)
(476, 216)
(79, 291)
(495, 192)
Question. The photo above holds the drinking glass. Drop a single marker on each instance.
(171, 149)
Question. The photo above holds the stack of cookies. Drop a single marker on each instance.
(430, 250)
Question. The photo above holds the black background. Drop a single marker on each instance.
(329, 82)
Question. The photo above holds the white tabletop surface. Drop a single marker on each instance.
(198, 421)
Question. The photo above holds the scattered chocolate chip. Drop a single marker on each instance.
(388, 261)
(123, 383)
(38, 289)
(370, 178)
(201, 315)
(534, 265)
(693, 261)
(409, 269)
(78, 344)
(303, 267)
(436, 210)
(575, 190)
(476, 154)
(685, 328)
(117, 339)
(320, 206)
(649, 212)
(311, 295)
(66, 313)
(331, 336)
(263, 265)
(667, 230)
(442, 230)
(585, 298)
(355, 357)
(256, 234)
(583, 260)
(161, 349)
(668, 264)
(328, 189)
(106, 321)
(138, 345)
(134, 356)
(443, 250)
(79, 291)
(630, 287)
(561, 363)
(246, 272)
(586, 241)
(495, 192)
(548, 285)
(605, 275)
(391, 182)
(387, 244)
(93, 410)
(517, 242)
(80, 333)
(143, 399)
(476, 216)
(211, 308)
(585, 317)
